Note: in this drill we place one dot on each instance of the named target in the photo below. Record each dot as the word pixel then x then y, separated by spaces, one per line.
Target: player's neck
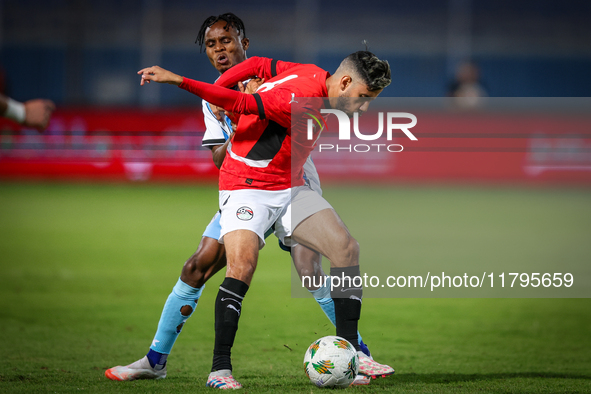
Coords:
pixel 332 86
pixel 332 90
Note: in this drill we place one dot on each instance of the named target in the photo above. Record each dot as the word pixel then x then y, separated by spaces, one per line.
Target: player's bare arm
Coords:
pixel 38 112
pixel 218 152
pixel 251 86
pixel 160 75
pixel 32 113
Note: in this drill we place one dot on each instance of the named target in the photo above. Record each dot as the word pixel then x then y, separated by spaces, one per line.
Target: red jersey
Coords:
pixel 260 153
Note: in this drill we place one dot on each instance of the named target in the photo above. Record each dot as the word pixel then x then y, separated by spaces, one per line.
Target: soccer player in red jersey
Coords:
pixel 258 189
pixel 225 42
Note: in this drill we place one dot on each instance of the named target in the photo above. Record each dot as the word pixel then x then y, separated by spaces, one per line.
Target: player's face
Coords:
pixel 224 48
pixel 354 97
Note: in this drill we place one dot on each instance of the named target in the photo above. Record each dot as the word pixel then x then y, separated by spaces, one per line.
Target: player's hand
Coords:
pixel 38 112
pixel 218 112
pixel 251 86
pixel 160 75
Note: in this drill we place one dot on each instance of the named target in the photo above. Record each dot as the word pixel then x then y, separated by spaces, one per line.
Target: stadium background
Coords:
pixel 84 57
pixel 73 241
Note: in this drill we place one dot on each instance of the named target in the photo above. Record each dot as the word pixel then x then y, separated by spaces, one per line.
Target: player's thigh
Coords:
pixel 209 257
pixel 325 232
pixel 304 203
pixel 242 252
pixel 210 252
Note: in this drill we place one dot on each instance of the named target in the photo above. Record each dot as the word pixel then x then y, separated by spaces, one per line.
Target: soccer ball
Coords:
pixel 331 362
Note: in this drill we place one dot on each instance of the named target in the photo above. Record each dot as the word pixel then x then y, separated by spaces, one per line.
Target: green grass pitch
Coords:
pixel 85 270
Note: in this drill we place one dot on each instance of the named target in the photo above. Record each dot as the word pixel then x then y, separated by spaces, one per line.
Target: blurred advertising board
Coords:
pixel 498 140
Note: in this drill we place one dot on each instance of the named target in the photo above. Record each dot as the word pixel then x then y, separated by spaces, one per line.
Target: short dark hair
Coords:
pixel 374 72
pixel 231 21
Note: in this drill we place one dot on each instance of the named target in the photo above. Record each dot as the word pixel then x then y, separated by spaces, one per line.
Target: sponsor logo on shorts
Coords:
pixel 244 213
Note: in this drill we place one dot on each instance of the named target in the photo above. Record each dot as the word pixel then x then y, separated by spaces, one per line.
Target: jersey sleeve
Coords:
pixel 216 132
pixel 255 66
pixel 228 99
pixel 281 66
pixel 275 105
pixel 250 68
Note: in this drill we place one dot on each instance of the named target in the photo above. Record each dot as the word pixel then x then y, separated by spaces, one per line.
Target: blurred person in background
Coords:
pixel 467 85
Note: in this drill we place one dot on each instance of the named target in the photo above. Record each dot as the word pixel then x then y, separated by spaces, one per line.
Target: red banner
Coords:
pixel 113 144
pixel 460 146
pixel 159 144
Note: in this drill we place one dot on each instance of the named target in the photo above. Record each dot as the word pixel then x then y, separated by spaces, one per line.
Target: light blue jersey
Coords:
pixel 216 132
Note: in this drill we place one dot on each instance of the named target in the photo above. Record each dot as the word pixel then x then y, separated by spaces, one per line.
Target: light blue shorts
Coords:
pixel 214 229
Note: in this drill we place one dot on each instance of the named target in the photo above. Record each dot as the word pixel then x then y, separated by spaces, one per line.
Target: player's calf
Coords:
pixel 346 292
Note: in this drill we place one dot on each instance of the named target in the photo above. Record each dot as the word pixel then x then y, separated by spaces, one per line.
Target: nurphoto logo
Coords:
pixel 345 131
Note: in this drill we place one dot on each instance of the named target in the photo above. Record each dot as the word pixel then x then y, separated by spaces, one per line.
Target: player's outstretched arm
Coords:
pixel 229 99
pixel 32 113
pixel 38 112
pixel 160 75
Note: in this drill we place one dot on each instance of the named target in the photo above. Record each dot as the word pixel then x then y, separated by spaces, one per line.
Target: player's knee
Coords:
pixel 194 271
pixel 351 252
pixel 247 272
pixel 307 271
pixel 241 271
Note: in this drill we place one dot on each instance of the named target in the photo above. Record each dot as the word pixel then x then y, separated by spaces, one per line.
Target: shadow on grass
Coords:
pixel 456 377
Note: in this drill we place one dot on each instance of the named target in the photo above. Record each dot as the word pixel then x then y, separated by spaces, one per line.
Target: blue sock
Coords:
pixel 157 360
pixel 322 297
pixel 363 347
pixel 178 308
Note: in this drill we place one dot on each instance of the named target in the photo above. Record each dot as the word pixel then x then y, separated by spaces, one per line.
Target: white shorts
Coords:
pixel 305 202
pixel 254 210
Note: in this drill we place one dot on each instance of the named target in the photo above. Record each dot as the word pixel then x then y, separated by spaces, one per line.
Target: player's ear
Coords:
pixel 245 43
pixel 345 82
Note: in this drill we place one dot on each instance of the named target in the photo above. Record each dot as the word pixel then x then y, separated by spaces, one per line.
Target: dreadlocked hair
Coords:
pixel 231 21
pixel 374 72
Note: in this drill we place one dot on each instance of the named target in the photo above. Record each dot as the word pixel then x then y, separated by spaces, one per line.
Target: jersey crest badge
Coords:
pixel 244 213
